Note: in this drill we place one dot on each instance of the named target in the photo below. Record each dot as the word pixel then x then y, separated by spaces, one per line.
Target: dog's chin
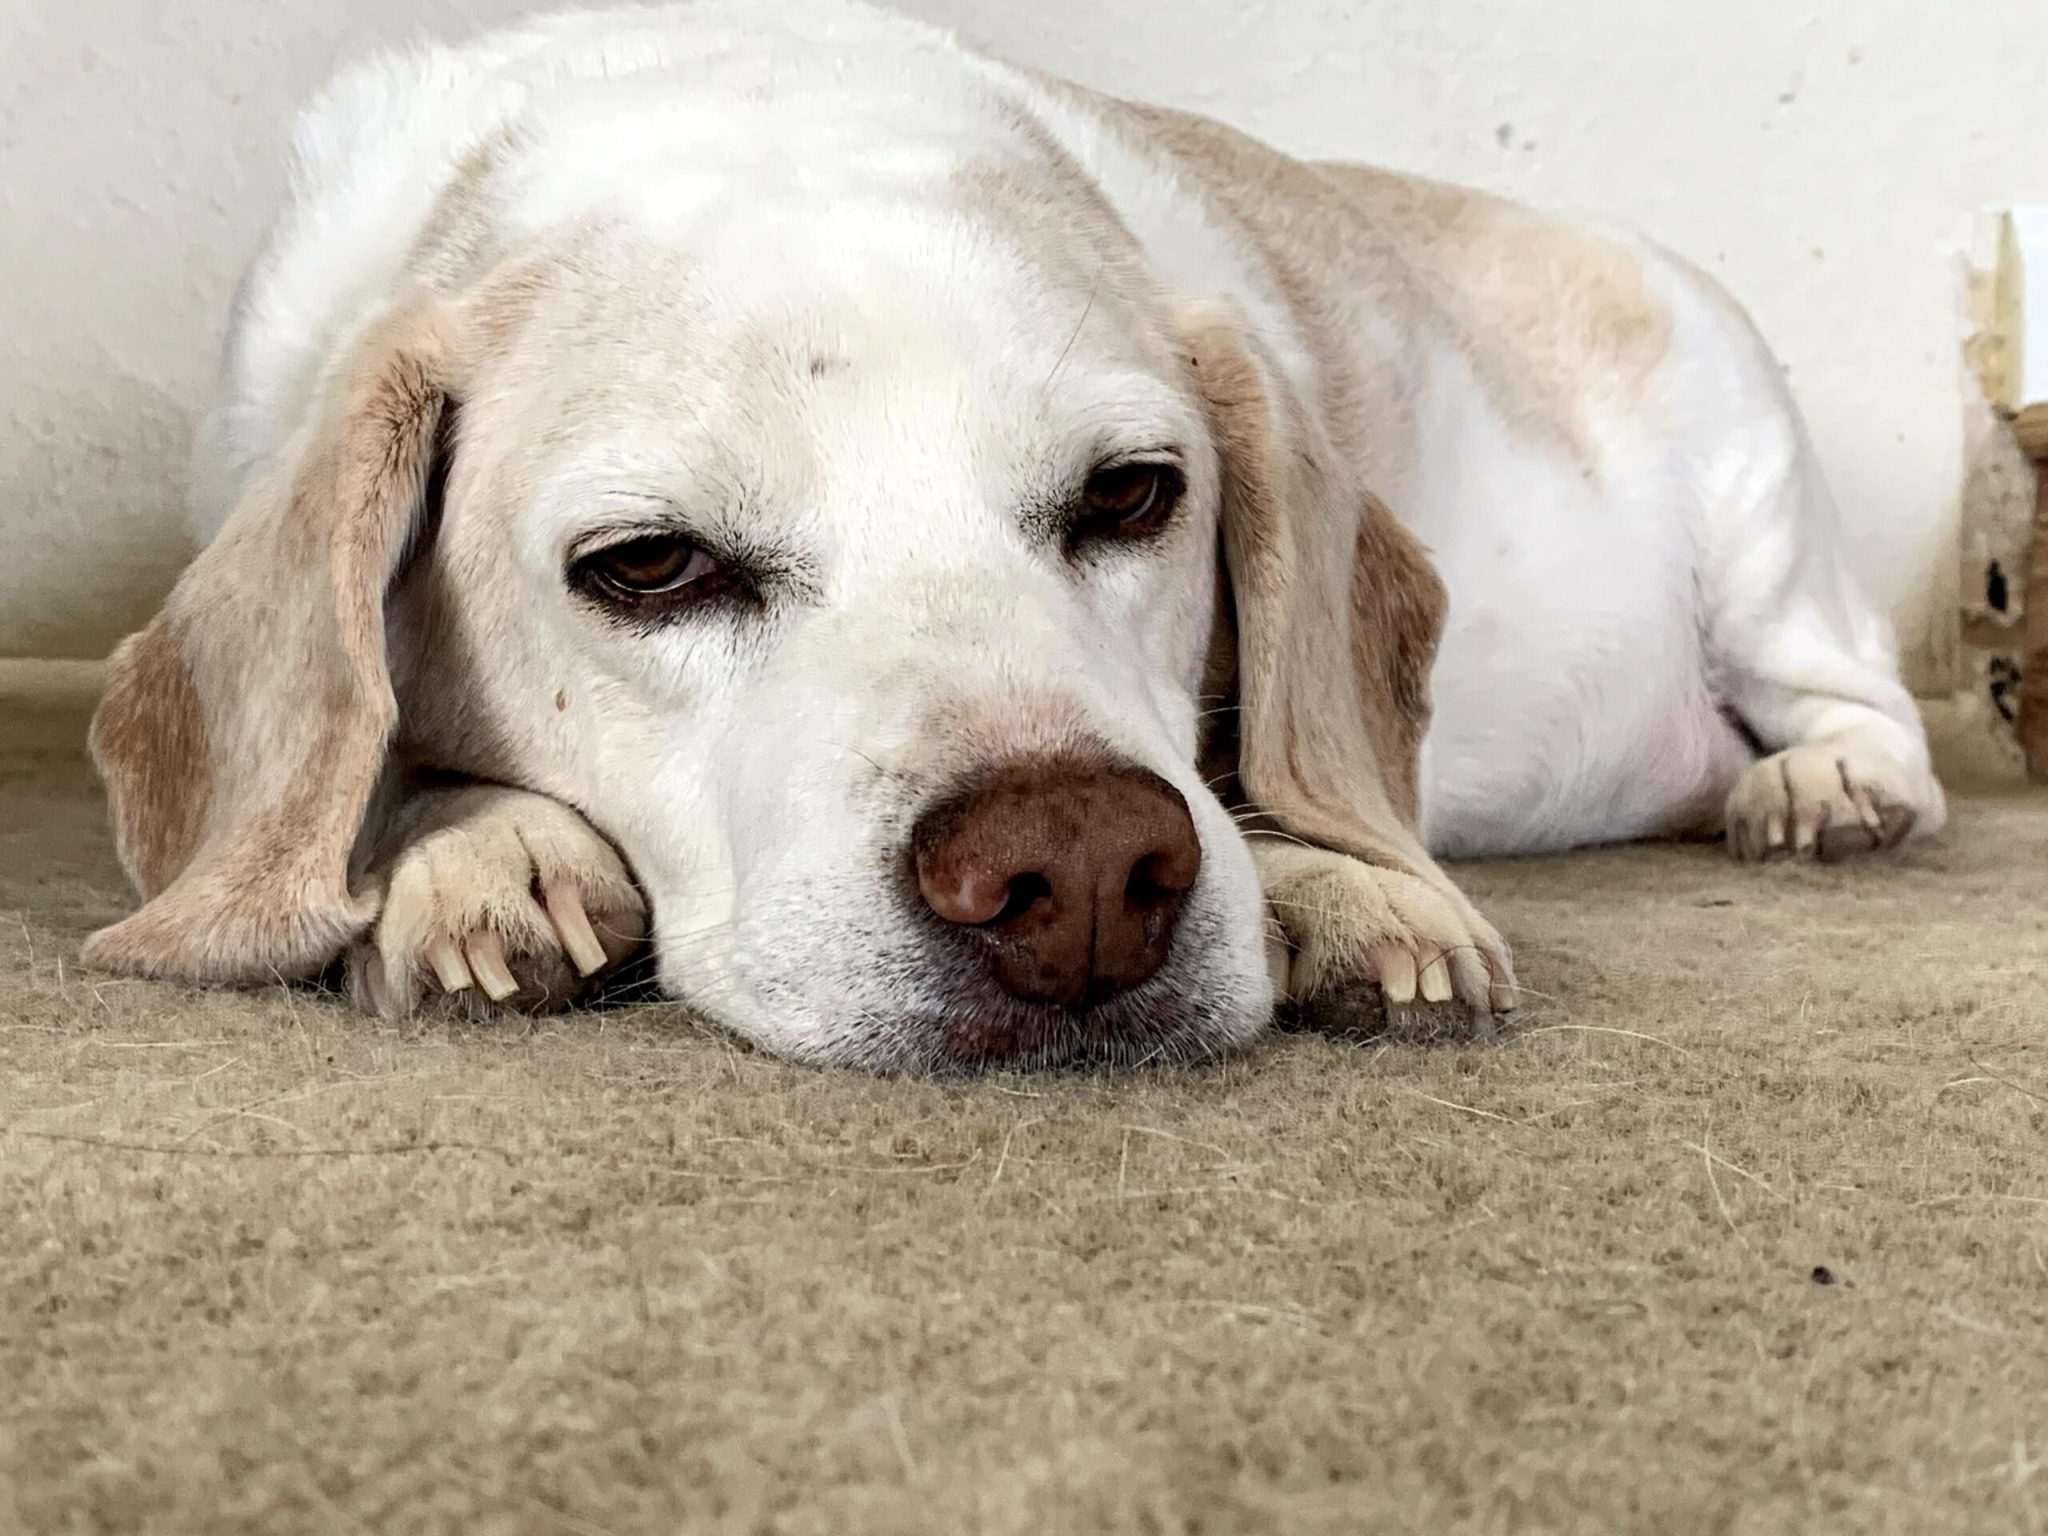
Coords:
pixel 925 1004
pixel 1162 1025
pixel 972 1027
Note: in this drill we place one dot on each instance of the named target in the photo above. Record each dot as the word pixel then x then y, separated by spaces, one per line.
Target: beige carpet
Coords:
pixel 1745 1230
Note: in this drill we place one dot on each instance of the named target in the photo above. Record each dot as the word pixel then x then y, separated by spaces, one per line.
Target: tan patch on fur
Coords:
pixel 1398 606
pixel 149 739
pixel 278 629
pixel 1055 216
pixel 1549 316
pixel 1551 319
pixel 1338 616
pixel 1054 213
pixel 1283 218
pixel 461 235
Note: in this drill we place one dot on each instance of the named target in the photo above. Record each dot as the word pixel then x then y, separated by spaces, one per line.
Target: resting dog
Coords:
pixel 974 546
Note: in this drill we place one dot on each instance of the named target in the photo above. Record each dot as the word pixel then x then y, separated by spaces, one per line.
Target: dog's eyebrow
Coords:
pixel 1160 453
pixel 662 516
pixel 622 494
pixel 665 512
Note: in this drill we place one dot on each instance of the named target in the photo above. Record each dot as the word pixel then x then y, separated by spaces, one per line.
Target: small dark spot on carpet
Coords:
pixel 1996 591
pixel 561 699
pixel 1822 1275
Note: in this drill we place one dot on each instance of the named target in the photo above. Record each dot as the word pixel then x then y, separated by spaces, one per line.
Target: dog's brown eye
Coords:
pixel 657 565
pixel 1128 500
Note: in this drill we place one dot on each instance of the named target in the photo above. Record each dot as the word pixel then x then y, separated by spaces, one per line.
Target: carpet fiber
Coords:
pixel 1744 1228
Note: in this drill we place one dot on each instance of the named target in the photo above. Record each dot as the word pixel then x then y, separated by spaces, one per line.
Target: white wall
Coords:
pixel 1824 157
pixel 140 155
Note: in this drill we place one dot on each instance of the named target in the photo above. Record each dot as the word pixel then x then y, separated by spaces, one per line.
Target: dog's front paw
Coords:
pixel 1370 948
pixel 1822 800
pixel 499 899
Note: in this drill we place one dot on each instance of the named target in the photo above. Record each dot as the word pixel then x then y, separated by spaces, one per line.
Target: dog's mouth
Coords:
pixel 1127 1033
pixel 955 1026
pixel 1182 1016
pixel 897 990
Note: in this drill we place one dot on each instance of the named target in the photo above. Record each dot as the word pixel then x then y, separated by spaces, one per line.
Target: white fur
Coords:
pixel 1700 574
pixel 1602 627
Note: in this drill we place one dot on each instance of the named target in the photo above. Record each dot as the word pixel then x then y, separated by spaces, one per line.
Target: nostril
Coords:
pixel 1026 892
pixel 1163 876
pixel 1147 887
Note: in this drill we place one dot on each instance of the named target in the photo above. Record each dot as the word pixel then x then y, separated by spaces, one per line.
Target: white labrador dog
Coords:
pixel 933 521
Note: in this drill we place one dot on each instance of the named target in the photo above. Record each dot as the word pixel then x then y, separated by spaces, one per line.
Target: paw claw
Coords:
pixel 564 905
pixel 449 967
pixel 382 1003
pixel 1867 813
pixel 487 963
pixel 1471 978
pixel 1397 974
pixel 1807 832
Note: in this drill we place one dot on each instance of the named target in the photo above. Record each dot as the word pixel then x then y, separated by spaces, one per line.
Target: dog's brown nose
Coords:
pixel 1071 873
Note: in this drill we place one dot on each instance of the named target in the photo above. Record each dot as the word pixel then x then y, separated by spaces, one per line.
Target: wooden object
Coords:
pixel 2033 703
pixel 2015 375
pixel 2030 426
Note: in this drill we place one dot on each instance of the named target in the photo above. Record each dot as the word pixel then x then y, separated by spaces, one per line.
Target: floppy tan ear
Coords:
pixel 242 733
pixel 1338 615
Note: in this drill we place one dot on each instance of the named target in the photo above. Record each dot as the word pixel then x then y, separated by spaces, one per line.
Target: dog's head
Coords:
pixel 869 555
